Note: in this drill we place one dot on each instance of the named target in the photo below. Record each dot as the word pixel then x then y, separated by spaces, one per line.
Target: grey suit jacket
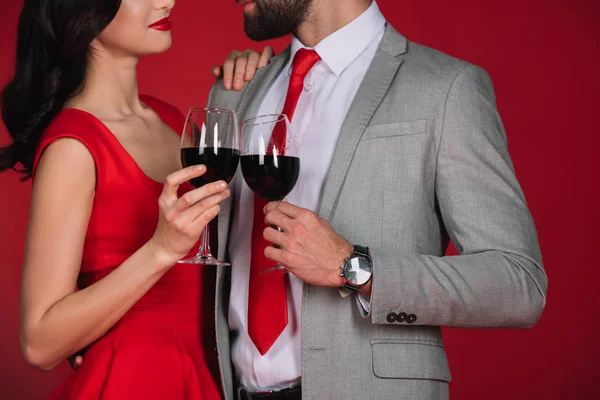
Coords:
pixel 421 159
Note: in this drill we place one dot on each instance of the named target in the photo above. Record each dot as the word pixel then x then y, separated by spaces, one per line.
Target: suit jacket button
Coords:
pixel 411 318
pixel 392 317
pixel 402 317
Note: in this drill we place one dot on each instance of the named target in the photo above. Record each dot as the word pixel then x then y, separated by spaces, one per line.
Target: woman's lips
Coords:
pixel 161 25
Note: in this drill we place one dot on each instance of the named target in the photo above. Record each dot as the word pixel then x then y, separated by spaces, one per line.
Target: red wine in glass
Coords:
pixel 221 163
pixel 270 178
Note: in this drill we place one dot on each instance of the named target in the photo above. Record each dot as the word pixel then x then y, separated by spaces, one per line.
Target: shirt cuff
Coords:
pixel 365 302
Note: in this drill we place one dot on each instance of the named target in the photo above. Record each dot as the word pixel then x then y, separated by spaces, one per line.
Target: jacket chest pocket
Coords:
pixel 405 128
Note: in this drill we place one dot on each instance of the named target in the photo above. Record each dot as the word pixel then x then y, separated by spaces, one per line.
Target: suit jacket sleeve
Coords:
pixel 498 279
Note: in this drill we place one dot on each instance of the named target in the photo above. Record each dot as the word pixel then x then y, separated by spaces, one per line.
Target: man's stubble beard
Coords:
pixel 275 18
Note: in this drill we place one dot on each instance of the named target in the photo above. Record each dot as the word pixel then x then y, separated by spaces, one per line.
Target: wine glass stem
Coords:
pixel 204 250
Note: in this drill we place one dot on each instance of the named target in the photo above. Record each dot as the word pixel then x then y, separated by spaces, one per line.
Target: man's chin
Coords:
pixel 255 33
pixel 259 30
pixel 257 37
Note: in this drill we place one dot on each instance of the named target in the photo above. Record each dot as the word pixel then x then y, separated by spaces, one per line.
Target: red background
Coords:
pixel 543 57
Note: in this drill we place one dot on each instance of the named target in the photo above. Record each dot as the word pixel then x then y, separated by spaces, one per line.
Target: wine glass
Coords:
pixel 269 159
pixel 210 137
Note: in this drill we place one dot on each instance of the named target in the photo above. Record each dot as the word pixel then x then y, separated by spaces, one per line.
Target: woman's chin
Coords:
pixel 159 48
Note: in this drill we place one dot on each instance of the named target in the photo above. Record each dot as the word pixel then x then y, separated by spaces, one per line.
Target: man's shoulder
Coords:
pixel 220 97
pixel 429 55
pixel 435 64
pixel 426 61
pixel 443 70
pixel 426 76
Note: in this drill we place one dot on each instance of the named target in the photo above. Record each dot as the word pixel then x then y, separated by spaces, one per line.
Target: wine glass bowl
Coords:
pixel 210 137
pixel 269 159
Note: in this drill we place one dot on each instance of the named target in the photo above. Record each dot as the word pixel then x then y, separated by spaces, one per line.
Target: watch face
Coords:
pixel 358 270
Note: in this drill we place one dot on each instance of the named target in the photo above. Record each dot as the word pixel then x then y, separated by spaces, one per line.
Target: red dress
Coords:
pixel 164 347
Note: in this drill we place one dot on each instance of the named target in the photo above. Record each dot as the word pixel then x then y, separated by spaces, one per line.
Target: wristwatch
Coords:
pixel 357 270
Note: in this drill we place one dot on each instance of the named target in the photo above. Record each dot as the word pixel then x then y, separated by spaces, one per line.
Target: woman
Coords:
pixel 111 210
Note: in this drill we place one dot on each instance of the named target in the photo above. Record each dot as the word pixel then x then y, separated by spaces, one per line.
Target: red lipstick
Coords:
pixel 161 25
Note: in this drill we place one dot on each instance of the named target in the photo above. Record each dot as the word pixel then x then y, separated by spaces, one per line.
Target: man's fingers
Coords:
pixel 274 236
pixel 281 256
pixel 276 218
pixel 286 208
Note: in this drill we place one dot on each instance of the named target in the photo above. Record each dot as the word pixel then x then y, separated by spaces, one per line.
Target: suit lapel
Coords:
pixel 372 90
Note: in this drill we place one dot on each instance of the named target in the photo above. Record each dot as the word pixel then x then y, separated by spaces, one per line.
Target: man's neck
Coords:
pixel 327 16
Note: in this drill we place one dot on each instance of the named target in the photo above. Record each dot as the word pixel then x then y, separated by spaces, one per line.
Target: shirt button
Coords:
pixel 308 87
pixel 411 318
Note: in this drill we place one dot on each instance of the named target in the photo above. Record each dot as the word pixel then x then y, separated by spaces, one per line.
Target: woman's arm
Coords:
pixel 56 321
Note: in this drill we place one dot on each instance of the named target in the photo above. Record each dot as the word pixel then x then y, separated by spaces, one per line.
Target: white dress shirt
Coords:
pixel 329 89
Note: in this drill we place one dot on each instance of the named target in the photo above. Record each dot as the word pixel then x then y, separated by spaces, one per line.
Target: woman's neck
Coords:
pixel 110 90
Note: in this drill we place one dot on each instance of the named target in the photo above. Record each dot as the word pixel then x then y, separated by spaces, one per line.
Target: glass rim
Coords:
pixel 212 109
pixel 275 119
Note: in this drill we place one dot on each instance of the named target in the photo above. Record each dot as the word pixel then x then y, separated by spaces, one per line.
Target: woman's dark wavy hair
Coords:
pixel 53 42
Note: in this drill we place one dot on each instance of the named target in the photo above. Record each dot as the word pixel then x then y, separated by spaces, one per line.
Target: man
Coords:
pixel 402 150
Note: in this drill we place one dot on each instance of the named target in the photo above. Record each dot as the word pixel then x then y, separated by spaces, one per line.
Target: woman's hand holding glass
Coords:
pixel 182 219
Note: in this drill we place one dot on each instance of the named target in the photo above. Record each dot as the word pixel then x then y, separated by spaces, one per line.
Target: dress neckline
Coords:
pixel 120 146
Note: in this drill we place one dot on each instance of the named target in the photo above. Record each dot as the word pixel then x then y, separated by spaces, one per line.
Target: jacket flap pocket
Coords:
pixel 396 129
pixel 401 360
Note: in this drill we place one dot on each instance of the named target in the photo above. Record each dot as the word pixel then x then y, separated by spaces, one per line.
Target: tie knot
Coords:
pixel 304 60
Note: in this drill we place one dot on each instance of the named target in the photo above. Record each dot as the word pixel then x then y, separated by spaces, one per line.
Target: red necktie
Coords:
pixel 267 299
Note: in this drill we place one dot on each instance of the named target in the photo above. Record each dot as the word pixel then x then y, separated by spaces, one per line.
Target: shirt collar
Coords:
pixel 343 46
